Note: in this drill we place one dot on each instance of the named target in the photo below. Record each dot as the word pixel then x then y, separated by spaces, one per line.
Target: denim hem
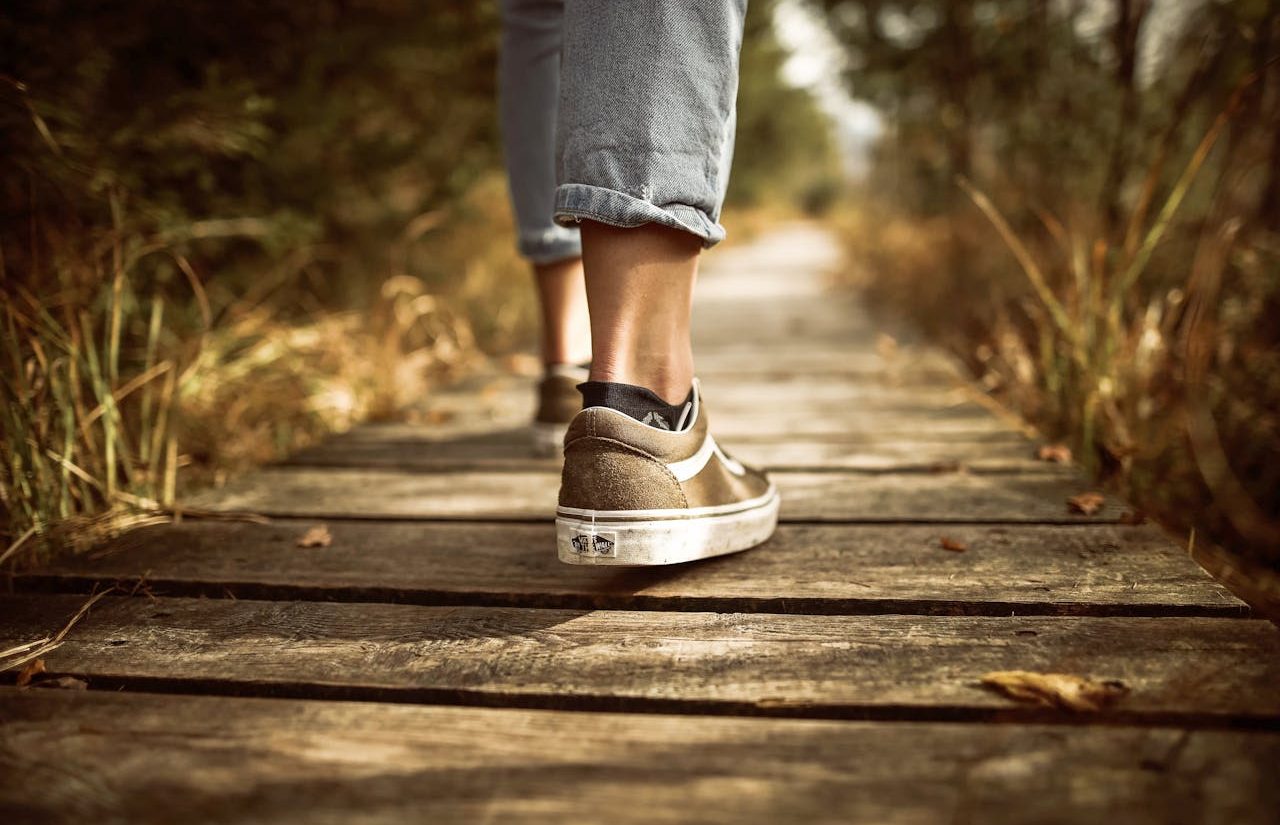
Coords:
pixel 576 201
pixel 547 246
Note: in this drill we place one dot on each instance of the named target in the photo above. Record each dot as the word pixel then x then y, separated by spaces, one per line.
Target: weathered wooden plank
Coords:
pixel 496 392
pixel 1208 671
pixel 751 321
pixel 857 395
pixel 802 356
pixel 510 449
pixel 523 495
pixel 1105 570
pixel 75 758
pixel 508 438
pixel 928 416
pixel 929 426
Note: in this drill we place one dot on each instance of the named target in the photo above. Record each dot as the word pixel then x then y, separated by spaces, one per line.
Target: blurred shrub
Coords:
pixel 784 154
pixel 229 228
pixel 1113 269
pixel 265 130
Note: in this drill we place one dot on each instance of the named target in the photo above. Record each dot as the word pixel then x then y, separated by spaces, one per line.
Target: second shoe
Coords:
pixel 558 402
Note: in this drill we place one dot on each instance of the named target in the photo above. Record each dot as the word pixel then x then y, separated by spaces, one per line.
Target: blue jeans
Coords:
pixel 617 111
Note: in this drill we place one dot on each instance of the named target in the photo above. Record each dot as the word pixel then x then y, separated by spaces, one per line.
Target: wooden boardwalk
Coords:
pixel 435 662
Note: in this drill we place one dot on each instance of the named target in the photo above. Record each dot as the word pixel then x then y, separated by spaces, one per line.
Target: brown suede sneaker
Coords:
pixel 558 402
pixel 632 494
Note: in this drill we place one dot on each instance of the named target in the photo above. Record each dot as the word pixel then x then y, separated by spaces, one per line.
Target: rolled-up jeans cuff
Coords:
pixel 546 246
pixel 578 201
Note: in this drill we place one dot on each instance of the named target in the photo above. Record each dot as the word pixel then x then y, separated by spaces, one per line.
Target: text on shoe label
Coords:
pixel 603 545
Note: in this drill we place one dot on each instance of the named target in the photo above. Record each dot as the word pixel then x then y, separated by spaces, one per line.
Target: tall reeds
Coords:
pixel 1151 350
pixel 111 406
pixel 80 457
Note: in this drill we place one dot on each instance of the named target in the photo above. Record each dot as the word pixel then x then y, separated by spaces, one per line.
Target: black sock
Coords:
pixel 639 403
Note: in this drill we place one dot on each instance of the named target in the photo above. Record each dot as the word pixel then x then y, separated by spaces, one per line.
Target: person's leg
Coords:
pixel 645 136
pixel 644 144
pixel 529 86
pixel 641 295
pixel 566 324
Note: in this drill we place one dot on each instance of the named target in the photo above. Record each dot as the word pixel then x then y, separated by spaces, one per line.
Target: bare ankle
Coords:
pixel 566 324
pixel 640 288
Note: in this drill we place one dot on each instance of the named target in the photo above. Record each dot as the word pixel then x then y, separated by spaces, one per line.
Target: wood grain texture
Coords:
pixel 1101 570
pixel 506 450
pixel 76 758
pixel 340 492
pixel 440 589
pixel 1210 671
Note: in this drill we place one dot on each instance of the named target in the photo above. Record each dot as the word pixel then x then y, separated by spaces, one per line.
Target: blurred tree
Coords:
pixel 321 125
pixel 784 152
pixel 315 130
pixel 1086 122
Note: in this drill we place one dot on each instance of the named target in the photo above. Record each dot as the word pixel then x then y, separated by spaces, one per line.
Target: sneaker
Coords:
pixel 558 402
pixel 634 494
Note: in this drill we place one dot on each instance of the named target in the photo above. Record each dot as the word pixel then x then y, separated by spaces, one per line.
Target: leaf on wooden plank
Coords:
pixel 30 672
pixel 523 363
pixel 954 545
pixel 63 683
pixel 1086 504
pixel 318 536
pixel 1133 517
pixel 886 346
pixel 1056 690
pixel 1056 453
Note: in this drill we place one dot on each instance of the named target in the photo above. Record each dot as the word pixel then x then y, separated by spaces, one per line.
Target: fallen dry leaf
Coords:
pixel 523 363
pixel 30 672
pixel 1133 517
pixel 951 544
pixel 1056 453
pixel 439 416
pixel 317 536
pixel 886 346
pixel 1056 690
pixel 63 682
pixel 1086 503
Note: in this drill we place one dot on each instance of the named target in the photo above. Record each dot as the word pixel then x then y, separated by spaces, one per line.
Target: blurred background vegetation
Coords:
pixel 233 227
pixel 1081 198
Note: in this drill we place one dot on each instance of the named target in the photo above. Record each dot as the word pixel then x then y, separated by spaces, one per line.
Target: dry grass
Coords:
pixel 1150 356
pixel 21 654
pixel 111 412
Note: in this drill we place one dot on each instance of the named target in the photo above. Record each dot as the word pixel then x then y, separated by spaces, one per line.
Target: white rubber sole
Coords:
pixel 607 538
pixel 547 439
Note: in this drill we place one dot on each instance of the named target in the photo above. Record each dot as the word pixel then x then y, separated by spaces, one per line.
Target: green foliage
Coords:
pixel 323 123
pixel 784 154
pixel 1134 174
pixel 194 195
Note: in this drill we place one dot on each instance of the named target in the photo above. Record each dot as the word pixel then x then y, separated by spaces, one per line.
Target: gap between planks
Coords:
pixel 819 569
pixel 640 705
pixel 144 586
pixel 159 758
pixel 1201 673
